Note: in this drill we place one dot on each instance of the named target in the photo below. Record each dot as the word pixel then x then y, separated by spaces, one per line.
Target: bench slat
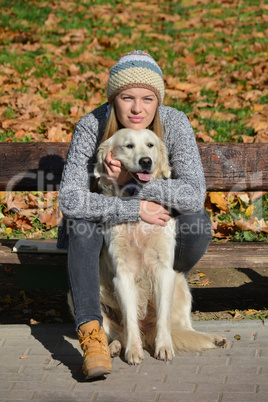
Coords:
pixel 38 166
pixel 235 167
pixel 219 255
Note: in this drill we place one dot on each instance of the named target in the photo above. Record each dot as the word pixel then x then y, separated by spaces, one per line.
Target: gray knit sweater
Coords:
pixel 184 191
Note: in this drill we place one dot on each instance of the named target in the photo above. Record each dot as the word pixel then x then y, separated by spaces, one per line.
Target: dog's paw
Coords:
pixel 134 355
pixel 219 340
pixel 115 348
pixel 210 341
pixel 164 353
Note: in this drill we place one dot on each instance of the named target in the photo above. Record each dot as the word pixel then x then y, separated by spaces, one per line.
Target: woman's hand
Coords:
pixel 150 212
pixel 115 172
pixel 153 213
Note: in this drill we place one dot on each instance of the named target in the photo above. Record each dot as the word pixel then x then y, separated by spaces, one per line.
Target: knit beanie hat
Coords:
pixel 136 70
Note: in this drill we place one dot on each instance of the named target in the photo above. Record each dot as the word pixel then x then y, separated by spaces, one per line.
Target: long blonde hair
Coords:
pixel 112 124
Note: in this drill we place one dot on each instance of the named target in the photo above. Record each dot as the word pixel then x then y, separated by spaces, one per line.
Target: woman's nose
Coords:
pixel 136 107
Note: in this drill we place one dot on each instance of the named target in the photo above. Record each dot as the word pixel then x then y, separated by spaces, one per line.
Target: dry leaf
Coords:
pixel 73 70
pixel 249 211
pixel 244 197
pixel 203 136
pixel 34 322
pixel 251 311
pixel 8 222
pixel 51 217
pixel 219 200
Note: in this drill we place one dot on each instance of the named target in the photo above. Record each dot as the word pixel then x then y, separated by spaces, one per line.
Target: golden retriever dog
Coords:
pixel 145 303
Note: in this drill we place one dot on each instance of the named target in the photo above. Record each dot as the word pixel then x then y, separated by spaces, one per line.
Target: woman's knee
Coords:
pixel 192 239
pixel 84 233
pixel 194 229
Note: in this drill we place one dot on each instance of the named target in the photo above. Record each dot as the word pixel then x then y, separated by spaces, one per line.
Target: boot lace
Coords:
pixel 93 344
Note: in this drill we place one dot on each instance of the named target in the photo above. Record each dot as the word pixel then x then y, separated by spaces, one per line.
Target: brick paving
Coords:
pixel 43 363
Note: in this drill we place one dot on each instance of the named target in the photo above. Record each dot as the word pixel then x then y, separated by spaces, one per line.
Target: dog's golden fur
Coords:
pixel 145 303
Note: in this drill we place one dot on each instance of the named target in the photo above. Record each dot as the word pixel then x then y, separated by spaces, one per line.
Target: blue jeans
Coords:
pixel 85 244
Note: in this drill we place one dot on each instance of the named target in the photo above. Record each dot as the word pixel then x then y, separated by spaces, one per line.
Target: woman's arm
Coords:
pixel 76 200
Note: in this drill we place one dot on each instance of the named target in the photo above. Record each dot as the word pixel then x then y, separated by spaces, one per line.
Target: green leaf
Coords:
pixel 248 236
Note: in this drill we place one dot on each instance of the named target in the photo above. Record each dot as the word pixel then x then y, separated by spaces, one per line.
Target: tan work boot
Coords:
pixel 93 342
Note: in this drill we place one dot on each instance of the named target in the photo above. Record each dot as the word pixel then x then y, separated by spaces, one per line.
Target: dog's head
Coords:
pixel 141 152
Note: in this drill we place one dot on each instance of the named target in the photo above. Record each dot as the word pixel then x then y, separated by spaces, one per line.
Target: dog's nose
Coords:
pixel 145 163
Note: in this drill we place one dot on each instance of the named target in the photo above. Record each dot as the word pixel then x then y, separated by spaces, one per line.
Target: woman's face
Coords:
pixel 135 107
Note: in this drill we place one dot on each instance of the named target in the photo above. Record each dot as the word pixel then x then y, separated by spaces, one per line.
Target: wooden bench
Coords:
pixel 228 167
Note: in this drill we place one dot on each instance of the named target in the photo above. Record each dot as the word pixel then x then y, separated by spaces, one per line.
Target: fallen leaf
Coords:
pixel 23 223
pixel 15 202
pixel 237 315
pixel 73 70
pixel 34 322
pixel 244 197
pixel 51 217
pixel 254 195
pixel 246 138
pixel 9 223
pixel 219 200
pixel 249 211
pixel 203 136
pixel 52 20
pixel 251 311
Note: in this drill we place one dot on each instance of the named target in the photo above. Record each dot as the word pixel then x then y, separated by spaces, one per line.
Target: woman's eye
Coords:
pixel 150 145
pixel 130 146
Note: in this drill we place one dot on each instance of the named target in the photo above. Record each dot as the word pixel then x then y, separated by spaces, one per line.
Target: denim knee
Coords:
pixel 193 235
pixel 84 232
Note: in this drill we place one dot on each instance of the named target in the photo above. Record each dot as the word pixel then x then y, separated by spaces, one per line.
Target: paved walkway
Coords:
pixel 43 363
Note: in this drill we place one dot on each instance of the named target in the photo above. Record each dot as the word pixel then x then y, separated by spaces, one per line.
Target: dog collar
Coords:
pixel 132 186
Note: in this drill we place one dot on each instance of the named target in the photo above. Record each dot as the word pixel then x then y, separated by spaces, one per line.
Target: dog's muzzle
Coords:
pixel 145 164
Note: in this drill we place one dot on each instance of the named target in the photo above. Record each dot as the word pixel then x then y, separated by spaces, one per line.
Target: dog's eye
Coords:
pixel 150 145
pixel 130 146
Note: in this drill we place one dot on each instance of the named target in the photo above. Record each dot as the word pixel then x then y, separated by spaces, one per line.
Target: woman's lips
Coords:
pixel 136 119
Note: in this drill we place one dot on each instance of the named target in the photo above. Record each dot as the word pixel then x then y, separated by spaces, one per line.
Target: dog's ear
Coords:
pixel 162 169
pixel 103 150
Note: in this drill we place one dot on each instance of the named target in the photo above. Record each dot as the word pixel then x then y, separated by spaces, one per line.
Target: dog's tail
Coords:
pixel 189 340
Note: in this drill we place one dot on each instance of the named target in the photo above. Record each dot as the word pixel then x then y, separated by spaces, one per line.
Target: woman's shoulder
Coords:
pixel 97 118
pixel 168 112
pixel 90 128
pixel 174 121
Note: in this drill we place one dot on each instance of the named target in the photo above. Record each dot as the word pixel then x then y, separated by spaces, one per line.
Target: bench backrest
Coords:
pixel 228 167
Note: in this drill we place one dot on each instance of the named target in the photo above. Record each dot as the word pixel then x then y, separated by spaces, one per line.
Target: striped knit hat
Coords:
pixel 136 70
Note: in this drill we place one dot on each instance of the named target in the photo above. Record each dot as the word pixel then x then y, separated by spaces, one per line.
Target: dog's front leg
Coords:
pixel 165 279
pixel 125 289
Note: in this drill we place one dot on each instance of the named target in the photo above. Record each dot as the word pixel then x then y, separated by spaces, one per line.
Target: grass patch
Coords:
pixel 20 14
pixel 60 108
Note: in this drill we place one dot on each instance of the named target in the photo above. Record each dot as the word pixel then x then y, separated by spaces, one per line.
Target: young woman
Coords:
pixel 135 95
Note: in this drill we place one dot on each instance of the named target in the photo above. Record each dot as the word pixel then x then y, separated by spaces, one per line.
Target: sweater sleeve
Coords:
pixel 75 198
pixel 186 190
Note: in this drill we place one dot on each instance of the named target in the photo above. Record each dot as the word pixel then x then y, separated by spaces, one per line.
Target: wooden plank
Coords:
pixel 32 166
pixel 219 255
pixel 7 257
pixel 228 167
pixel 235 255
pixel 235 167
